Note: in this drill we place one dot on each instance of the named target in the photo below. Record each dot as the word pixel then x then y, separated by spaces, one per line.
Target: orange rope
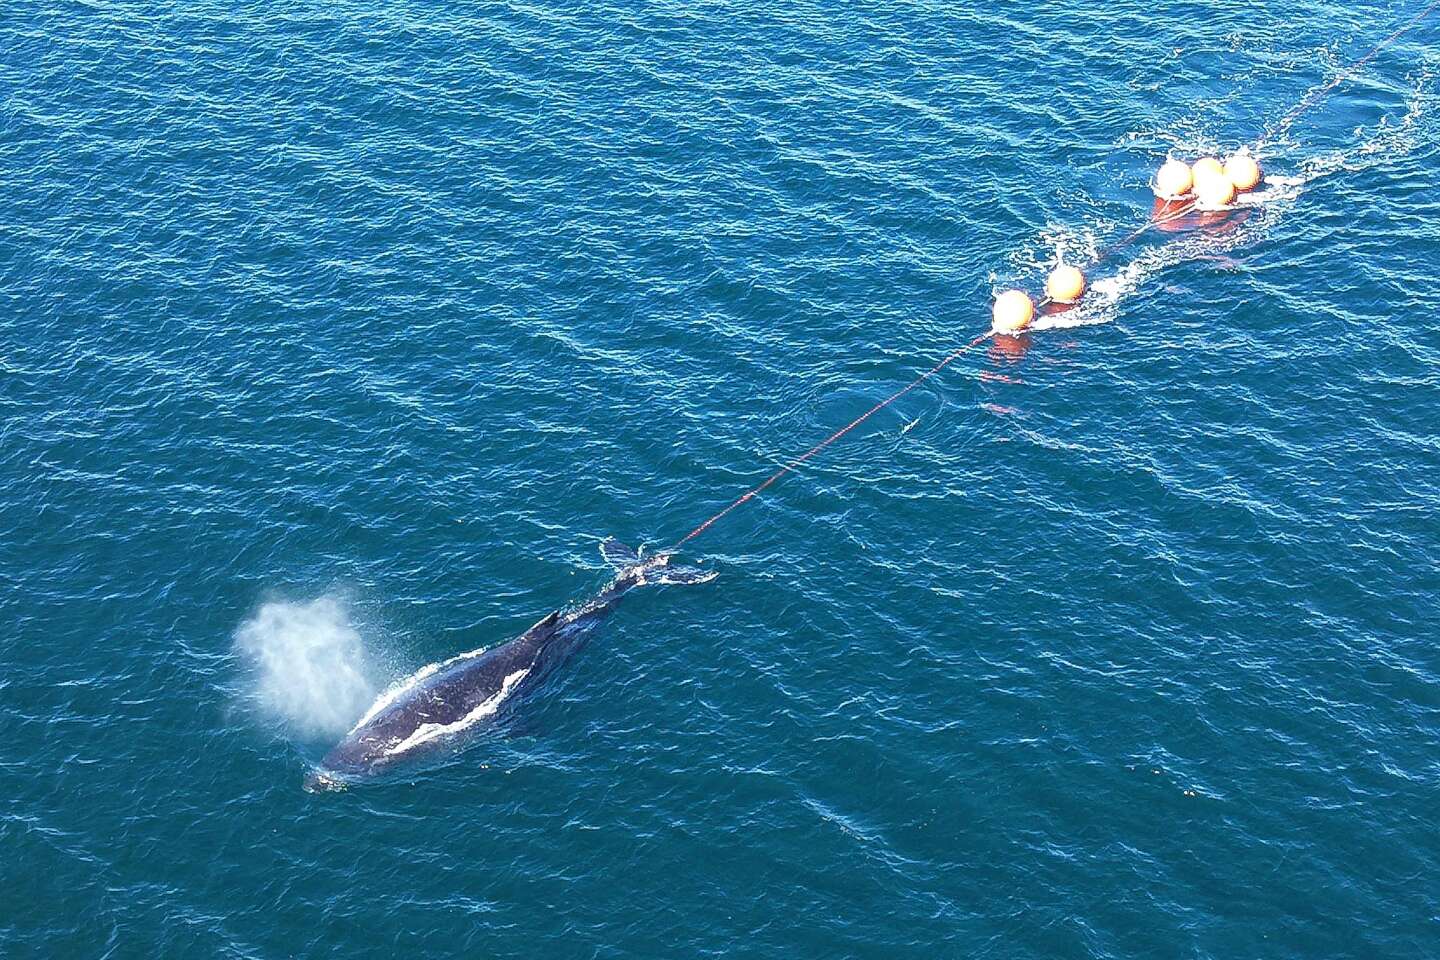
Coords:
pixel 789 467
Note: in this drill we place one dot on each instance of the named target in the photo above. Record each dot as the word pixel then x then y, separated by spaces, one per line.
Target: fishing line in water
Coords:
pixel 790 467
pixel 1204 188
pixel 1317 94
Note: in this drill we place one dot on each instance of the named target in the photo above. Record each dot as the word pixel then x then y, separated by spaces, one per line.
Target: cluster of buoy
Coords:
pixel 1207 184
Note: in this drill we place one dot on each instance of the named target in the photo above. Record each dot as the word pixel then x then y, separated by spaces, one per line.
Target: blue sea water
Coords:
pixel 335 337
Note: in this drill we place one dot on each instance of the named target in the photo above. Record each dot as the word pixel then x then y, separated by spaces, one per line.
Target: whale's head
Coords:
pixel 353 758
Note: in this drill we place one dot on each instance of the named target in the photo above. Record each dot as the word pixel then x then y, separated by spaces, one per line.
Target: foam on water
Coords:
pixel 1109 293
pixel 311 668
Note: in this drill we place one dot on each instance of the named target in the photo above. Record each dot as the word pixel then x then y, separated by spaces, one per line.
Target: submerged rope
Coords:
pixel 1314 96
pixel 1181 211
pixel 1282 125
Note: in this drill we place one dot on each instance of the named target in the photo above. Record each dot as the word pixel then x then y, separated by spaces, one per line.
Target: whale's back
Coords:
pixel 460 695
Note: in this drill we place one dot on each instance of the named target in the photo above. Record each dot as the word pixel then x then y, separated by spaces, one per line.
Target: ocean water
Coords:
pixel 334 337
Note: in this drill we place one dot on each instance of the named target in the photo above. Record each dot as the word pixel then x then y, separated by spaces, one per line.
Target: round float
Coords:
pixel 1172 180
pixel 1065 284
pixel 1214 193
pixel 1013 312
pixel 1206 167
pixel 1243 171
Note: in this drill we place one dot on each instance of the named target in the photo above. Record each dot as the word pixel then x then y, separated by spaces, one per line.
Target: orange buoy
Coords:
pixel 1013 312
pixel 1214 193
pixel 1172 180
pixel 1206 167
pixel 1242 170
pixel 1065 284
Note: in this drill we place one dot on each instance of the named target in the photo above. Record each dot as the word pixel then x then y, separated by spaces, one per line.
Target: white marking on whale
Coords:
pixel 398 689
pixel 430 731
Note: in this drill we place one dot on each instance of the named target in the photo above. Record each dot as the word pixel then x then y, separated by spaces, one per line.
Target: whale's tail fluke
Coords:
pixel 656 569
pixel 618 555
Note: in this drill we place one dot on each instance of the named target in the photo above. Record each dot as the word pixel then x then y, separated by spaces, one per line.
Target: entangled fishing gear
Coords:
pixel 1206 186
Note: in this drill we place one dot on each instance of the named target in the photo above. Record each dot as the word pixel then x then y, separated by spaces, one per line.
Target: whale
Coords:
pixel 442 702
